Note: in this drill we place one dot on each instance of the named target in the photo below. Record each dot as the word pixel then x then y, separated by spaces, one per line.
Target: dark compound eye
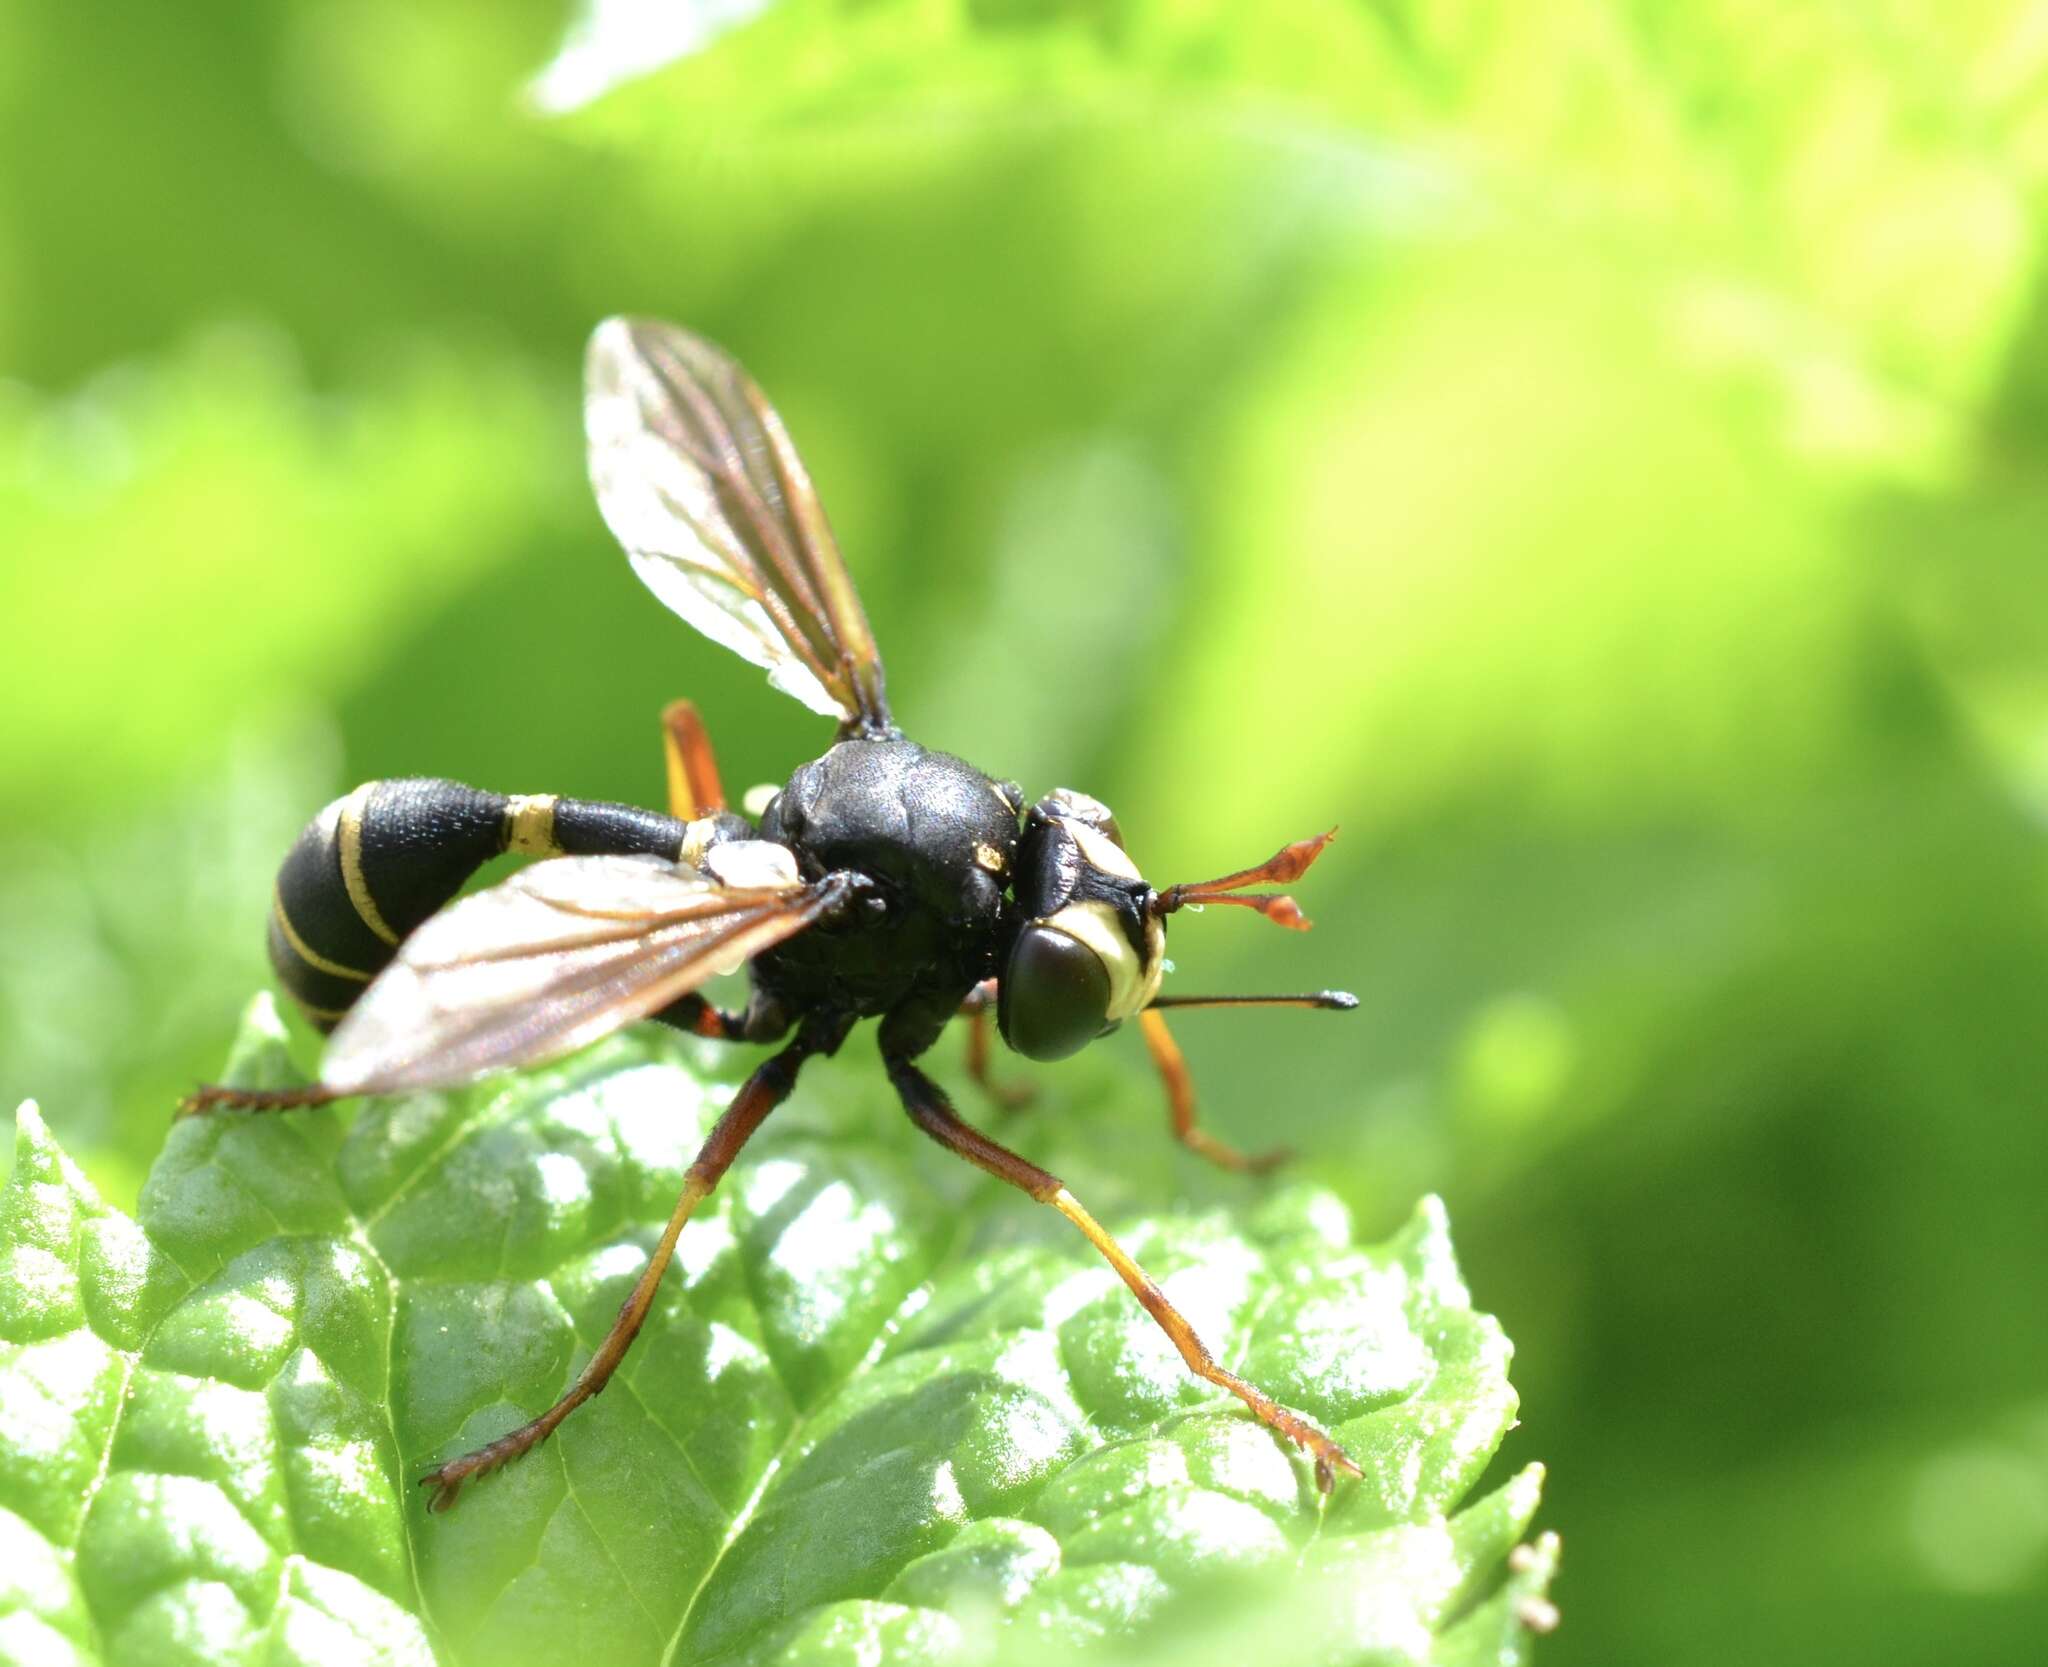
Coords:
pixel 1054 996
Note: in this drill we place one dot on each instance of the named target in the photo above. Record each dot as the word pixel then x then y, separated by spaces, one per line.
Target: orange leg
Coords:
pixel 1180 1099
pixel 693 785
pixel 212 1096
pixel 1005 1096
pixel 767 1088
pixel 931 1111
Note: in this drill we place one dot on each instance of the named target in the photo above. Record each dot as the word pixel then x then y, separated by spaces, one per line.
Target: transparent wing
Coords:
pixel 555 957
pixel 697 478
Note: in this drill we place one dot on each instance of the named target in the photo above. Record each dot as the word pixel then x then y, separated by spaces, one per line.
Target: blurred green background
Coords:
pixel 1594 453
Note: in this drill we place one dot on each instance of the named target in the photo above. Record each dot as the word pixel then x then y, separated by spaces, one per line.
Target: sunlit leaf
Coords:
pixel 873 1410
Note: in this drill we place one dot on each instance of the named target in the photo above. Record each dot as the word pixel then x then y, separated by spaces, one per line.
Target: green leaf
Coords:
pixel 196 1464
pixel 1903 234
pixel 883 1408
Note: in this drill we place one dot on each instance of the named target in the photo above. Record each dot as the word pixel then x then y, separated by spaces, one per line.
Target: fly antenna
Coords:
pixel 1285 865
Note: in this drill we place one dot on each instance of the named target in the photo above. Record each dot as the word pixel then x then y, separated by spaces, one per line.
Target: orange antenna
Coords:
pixel 1288 863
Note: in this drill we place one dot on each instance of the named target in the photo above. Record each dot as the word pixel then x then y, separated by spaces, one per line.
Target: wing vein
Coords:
pixel 698 478
pixel 551 959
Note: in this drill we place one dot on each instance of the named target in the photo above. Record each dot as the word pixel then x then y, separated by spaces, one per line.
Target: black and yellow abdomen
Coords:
pixel 375 864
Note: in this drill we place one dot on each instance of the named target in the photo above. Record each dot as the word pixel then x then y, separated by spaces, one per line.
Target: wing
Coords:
pixel 560 954
pixel 697 478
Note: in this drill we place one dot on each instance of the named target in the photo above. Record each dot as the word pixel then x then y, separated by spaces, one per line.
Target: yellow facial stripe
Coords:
pixel 1132 982
pixel 349 832
pixel 306 952
pixel 530 825
pixel 1102 852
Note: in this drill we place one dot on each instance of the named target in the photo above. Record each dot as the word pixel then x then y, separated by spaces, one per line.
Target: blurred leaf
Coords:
pixel 128 944
pixel 1870 168
pixel 168 509
pixel 865 1418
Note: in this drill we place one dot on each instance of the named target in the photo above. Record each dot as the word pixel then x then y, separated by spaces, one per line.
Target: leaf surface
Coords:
pixel 883 1409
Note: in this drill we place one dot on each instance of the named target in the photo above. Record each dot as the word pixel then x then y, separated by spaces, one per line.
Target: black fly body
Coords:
pixel 884 881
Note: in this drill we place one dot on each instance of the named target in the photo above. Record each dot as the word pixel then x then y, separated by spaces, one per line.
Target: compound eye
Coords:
pixel 1054 996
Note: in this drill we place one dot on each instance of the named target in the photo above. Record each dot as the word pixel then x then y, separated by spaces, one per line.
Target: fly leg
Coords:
pixel 931 1111
pixel 761 1022
pixel 693 786
pixel 213 1096
pixel 1005 1096
pixel 1180 1100
pixel 760 1094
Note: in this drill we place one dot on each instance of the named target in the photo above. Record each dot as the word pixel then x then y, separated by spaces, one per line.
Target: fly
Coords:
pixel 882 881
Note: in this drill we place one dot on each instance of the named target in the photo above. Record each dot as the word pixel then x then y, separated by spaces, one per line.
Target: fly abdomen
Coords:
pixel 367 870
pixel 589 827
pixel 375 864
